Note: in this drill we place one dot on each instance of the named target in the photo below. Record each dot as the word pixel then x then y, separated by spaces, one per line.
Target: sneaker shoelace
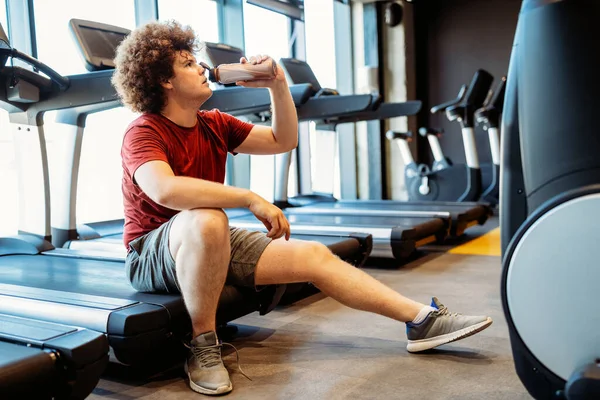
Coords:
pixel 443 310
pixel 210 356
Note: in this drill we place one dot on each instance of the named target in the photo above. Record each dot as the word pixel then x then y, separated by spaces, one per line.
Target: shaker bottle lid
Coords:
pixel 211 71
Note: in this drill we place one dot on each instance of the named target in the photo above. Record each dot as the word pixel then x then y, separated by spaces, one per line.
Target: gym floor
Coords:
pixel 319 349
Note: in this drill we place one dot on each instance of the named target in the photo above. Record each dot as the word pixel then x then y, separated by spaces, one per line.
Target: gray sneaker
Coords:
pixel 442 327
pixel 205 367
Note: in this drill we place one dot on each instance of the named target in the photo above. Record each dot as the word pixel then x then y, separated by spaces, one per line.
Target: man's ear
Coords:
pixel 167 84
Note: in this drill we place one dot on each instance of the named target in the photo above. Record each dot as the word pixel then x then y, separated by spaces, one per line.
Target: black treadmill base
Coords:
pixel 86 379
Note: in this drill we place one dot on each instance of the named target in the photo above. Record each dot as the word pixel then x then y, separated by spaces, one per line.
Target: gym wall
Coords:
pixel 453 38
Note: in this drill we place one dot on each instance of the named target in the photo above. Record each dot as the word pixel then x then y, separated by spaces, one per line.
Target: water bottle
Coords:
pixel 231 73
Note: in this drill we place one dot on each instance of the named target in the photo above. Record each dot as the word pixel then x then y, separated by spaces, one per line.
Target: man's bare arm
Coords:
pixel 157 180
pixel 282 136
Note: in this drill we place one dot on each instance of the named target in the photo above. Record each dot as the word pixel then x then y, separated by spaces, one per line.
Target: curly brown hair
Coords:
pixel 144 60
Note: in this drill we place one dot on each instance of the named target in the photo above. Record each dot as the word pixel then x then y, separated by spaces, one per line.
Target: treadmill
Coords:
pixel 88 288
pixel 395 238
pixel 43 360
pixel 390 239
pixel 463 215
pixel 106 236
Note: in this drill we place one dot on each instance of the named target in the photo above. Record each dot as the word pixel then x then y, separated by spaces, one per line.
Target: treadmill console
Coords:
pixel 219 53
pixel 299 71
pixel 97 42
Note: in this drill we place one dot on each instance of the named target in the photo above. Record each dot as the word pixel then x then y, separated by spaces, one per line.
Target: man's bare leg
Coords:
pixel 299 261
pixel 199 241
pixel 199 244
pixel 427 327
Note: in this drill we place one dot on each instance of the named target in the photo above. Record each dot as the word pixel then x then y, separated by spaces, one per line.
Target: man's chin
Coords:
pixel 206 96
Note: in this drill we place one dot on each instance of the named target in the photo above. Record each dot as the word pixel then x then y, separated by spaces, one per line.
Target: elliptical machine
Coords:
pixel 550 187
pixel 456 182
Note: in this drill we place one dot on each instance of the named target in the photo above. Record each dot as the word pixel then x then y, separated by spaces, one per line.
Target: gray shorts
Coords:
pixel 151 268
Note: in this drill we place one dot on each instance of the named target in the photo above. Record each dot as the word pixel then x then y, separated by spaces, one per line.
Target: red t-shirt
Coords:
pixel 198 152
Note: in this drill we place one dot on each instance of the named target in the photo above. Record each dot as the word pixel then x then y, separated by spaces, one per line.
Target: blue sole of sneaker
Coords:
pixel 415 346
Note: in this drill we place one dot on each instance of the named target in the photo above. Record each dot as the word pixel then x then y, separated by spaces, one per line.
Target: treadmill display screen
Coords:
pixel 223 56
pixel 301 73
pixel 101 43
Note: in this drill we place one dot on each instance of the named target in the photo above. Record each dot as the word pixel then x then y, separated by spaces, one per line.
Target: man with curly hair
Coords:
pixel 177 235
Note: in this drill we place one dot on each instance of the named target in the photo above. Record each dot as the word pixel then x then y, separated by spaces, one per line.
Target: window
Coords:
pixel 8 180
pixel 8 172
pixel 55 46
pixel 265 32
pixel 320 55
pixel 99 196
pixel 320 40
pixel 200 15
pixel 99 184
pixel 3 19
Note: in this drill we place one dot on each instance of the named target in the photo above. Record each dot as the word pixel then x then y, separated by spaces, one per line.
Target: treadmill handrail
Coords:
pixel 315 209
pixel 308 229
pixel 333 106
pixel 384 111
pixel 301 92
pixel 84 90
pixel 61 81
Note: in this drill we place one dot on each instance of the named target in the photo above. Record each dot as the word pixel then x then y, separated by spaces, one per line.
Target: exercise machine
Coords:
pixel 462 216
pixel 88 288
pixel 106 236
pixel 43 360
pixel 488 116
pixel 549 199
pixel 440 161
pixel 394 236
pixel 456 182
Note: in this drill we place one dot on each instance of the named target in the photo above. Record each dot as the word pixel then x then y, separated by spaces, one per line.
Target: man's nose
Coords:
pixel 203 66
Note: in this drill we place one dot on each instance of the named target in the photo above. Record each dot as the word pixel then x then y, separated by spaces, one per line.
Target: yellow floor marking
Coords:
pixel 486 245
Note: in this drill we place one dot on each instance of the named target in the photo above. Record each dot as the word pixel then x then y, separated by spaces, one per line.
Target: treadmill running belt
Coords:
pixel 392 237
pixel 96 294
pixel 463 215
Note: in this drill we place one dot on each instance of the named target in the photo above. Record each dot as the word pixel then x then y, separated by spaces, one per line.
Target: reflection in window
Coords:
pixel 99 196
pixel 9 206
pixel 265 32
pixel 200 15
pixel 55 46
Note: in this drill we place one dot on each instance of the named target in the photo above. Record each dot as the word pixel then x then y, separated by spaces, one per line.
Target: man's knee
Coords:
pixel 200 226
pixel 314 255
pixel 206 224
